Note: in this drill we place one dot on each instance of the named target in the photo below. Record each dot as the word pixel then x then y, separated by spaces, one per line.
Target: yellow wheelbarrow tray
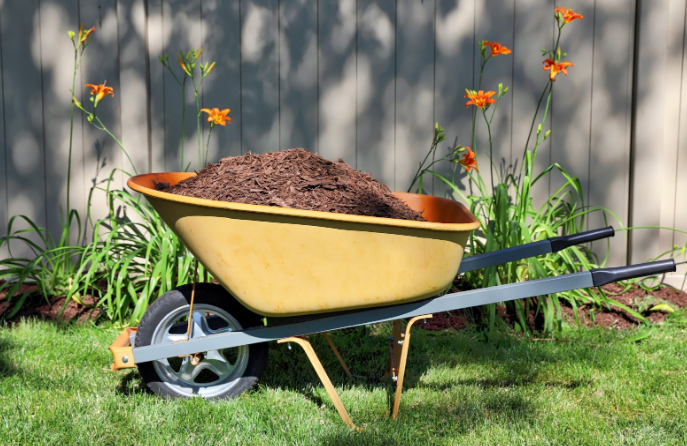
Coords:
pixel 312 272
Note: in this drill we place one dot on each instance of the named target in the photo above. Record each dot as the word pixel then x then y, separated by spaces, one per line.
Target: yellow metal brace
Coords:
pixel 398 357
pixel 338 355
pixel 322 374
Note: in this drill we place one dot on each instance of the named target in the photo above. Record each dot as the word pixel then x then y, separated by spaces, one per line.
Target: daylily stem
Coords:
pixel 103 128
pixel 491 151
pixel 207 146
pixel 183 119
pixel 483 63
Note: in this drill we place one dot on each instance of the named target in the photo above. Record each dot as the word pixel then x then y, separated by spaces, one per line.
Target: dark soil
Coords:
pixel 295 179
pixel 635 298
pixel 37 306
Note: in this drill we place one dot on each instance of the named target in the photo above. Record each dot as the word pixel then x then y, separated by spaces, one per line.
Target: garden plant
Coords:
pixel 505 205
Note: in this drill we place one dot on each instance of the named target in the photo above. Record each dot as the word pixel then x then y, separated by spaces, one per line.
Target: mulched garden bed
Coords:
pixel 37 306
pixel 635 298
pixel 295 179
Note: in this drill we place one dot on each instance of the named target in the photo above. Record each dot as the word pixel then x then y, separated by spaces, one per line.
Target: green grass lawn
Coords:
pixel 590 387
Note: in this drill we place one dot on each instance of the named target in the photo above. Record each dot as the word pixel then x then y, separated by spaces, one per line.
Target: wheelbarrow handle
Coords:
pixel 565 241
pixel 602 276
pixel 547 246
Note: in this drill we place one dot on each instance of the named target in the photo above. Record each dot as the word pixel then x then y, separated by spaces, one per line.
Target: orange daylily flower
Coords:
pixel 550 64
pixel 100 91
pixel 215 116
pixel 496 48
pixel 468 160
pixel 481 99
pixel 568 14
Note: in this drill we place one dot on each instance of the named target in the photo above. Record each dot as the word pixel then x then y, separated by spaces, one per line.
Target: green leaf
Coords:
pixel 662 307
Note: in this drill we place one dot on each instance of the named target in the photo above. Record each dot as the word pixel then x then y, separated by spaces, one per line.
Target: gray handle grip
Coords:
pixel 565 241
pixel 602 276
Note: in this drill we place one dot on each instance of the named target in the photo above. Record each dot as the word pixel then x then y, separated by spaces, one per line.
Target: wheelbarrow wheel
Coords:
pixel 213 374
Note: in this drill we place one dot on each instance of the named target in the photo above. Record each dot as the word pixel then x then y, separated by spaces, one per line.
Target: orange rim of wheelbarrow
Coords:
pixel 440 218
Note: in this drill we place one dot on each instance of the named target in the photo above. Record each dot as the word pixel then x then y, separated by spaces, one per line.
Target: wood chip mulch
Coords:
pixel 295 179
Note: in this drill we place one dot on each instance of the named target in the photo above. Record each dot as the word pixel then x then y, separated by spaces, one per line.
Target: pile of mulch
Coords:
pixel 37 306
pixel 295 179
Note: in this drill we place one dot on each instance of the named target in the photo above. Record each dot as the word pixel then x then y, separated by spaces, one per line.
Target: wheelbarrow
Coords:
pixel 286 273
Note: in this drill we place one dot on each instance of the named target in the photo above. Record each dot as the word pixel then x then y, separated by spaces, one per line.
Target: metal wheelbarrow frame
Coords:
pixel 292 329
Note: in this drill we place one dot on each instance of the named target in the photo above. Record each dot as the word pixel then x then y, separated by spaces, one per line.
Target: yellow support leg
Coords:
pixel 338 355
pixel 398 370
pixel 317 365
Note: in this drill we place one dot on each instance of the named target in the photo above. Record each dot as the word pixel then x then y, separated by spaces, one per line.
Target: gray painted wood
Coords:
pixel 260 75
pixel 100 64
pixel 158 36
pixel 181 22
pixel 648 138
pixel 678 171
pixel 131 23
pixel 376 92
pixel 610 119
pixel 414 90
pixel 534 30
pixel 4 215
pixel 222 87
pixel 23 101
pixel 298 49
pixel 495 23
pixel 455 44
pixel 337 79
pixel 57 59
pixel 570 124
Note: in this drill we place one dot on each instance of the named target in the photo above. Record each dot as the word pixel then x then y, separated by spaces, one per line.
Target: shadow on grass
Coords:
pixel 7 369
pixel 131 383
pixel 512 362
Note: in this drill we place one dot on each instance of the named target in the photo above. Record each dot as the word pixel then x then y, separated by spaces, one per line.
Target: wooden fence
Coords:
pixel 360 80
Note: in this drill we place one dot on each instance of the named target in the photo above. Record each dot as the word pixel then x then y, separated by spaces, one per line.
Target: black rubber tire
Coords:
pixel 211 294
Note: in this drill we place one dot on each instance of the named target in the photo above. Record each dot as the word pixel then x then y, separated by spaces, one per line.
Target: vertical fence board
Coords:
pixel 131 19
pixel 671 122
pixel 680 169
pixel 57 59
pixel 455 46
pixel 570 124
pixel 158 37
pixel 181 19
pixel 4 153
pixel 648 130
pixel 414 90
pixel 494 23
pixel 534 30
pixel 610 120
pixel 260 74
pixel 100 63
pixel 23 112
pixel 376 90
pixel 337 80
pixel 298 49
pixel 222 87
